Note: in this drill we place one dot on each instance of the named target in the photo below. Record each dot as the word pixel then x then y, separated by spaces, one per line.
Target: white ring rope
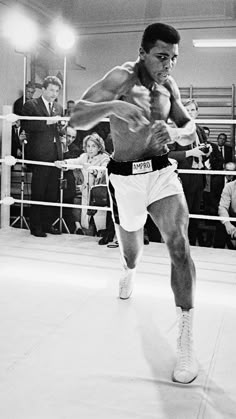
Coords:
pixel 12 117
pixel 207 172
pixel 9 200
pixel 216 121
pixel 11 161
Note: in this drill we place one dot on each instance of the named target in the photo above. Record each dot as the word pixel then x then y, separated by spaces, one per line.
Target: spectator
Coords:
pixel 43 145
pixel 70 150
pixel 70 107
pixel 18 137
pixel 192 156
pixel 226 230
pixel 29 93
pixel 207 132
pixel 94 155
pixel 221 152
pixel 109 232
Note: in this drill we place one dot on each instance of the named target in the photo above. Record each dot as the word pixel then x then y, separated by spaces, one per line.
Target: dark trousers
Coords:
pixel 69 216
pixel 44 187
pixel 222 238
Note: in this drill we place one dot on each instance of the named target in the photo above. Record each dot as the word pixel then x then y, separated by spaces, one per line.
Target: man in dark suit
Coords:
pixel 29 93
pixel 221 153
pixel 43 145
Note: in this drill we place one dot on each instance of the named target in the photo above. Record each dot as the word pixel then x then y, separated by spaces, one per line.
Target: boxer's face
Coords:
pixel 160 60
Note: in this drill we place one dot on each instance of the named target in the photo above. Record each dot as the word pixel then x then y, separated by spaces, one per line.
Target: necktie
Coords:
pixel 221 151
pixel 50 108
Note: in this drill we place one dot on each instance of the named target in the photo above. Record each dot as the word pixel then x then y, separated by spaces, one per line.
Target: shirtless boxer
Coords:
pixel 139 97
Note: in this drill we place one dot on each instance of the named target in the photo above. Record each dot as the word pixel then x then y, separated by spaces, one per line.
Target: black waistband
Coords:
pixel 137 167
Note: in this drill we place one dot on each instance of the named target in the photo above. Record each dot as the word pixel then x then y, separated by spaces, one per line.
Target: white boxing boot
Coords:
pixel 126 283
pixel 186 369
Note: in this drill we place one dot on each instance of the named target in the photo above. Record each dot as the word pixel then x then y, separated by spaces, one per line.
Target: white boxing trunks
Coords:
pixel 131 194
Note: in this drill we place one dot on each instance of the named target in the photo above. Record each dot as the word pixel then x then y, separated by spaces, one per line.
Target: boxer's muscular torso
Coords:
pixel 135 145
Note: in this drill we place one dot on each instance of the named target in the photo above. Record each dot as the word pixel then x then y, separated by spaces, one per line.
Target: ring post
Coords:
pixel 22 187
pixel 6 170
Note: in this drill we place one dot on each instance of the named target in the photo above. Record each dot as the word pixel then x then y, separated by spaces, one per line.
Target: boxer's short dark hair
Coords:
pixel 159 31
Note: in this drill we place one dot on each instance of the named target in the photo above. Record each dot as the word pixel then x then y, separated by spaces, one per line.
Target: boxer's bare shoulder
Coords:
pixel 121 78
pixel 112 85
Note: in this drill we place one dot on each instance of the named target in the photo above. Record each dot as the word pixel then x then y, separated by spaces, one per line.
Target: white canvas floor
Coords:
pixel 70 349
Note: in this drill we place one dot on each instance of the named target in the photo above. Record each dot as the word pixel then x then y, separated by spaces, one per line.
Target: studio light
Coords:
pixel 65 37
pixel 214 43
pixel 20 30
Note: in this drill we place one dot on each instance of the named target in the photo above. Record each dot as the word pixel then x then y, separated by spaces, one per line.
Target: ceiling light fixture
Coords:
pixel 214 43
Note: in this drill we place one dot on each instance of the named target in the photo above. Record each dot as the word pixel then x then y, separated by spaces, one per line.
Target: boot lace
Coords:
pixel 184 342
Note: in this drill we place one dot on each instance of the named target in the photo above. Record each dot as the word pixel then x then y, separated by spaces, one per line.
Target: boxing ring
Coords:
pixel 70 348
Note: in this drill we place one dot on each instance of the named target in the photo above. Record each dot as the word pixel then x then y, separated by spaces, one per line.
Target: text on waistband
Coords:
pixel 142 167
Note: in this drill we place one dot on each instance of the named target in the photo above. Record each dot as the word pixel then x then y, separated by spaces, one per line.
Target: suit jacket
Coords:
pixel 217 160
pixel 40 136
pixel 15 142
pixel 18 106
pixel 178 152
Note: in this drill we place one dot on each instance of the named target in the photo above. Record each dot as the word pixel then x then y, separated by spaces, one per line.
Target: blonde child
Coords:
pixel 94 155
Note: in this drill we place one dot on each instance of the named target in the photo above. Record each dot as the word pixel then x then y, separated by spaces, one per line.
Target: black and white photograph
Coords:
pixel 118 209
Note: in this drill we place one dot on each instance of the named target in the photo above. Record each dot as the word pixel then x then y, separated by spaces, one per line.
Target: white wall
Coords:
pixel 11 74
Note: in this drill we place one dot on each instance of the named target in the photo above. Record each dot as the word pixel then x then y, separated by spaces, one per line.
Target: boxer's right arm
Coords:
pixel 101 100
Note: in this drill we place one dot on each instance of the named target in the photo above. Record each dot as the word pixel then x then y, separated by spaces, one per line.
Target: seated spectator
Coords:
pixel 94 155
pixel 29 93
pixel 69 150
pixel 226 230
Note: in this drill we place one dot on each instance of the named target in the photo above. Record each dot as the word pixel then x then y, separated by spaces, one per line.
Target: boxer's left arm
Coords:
pixel 185 131
pixel 184 135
